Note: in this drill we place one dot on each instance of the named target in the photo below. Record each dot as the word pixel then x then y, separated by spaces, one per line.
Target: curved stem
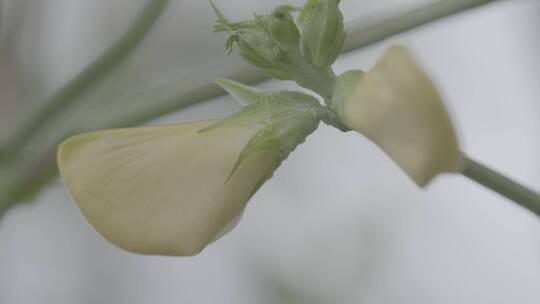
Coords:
pixel 68 94
pixel 503 185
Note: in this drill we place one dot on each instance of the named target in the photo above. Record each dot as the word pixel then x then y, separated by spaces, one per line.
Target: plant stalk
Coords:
pixel 376 27
pixel 503 185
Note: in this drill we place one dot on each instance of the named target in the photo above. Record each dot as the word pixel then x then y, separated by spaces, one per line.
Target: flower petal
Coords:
pixel 398 107
pixel 162 190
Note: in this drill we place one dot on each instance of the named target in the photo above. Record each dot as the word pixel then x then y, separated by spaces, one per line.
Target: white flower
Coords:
pixel 173 189
pixel 397 106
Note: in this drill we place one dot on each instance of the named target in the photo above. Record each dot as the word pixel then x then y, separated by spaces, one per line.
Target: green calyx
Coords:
pixel 285 118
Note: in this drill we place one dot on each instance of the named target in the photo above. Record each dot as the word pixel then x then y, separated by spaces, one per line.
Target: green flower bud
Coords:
pixel 272 43
pixel 263 41
pixel 323 34
pixel 397 106
pixel 283 29
pixel 172 190
pixel 257 47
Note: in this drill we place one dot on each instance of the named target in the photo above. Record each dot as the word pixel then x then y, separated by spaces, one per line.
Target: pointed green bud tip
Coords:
pixel 323 33
pixel 397 106
pixel 241 92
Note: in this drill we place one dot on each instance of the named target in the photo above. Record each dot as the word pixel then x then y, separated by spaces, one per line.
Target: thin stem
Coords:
pixel 319 80
pixel 503 185
pixel 376 27
pixel 67 95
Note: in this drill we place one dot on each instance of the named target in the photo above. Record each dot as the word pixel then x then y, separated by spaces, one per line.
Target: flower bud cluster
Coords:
pixel 286 49
pixel 264 41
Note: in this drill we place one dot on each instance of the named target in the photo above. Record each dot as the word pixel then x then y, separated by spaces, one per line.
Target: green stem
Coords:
pixel 503 185
pixel 376 27
pixel 319 80
pixel 67 95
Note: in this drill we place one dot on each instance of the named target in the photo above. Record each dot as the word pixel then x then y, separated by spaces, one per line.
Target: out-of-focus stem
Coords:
pixel 67 95
pixel 376 27
pixel 503 185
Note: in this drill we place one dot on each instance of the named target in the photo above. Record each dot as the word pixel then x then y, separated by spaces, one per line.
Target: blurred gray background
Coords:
pixel 339 222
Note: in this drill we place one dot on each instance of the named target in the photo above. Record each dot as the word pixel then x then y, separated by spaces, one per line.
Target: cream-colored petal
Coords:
pixel 398 107
pixel 162 190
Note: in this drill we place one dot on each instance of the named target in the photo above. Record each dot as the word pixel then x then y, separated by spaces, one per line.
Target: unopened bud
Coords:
pixel 263 41
pixel 323 34
pixel 283 29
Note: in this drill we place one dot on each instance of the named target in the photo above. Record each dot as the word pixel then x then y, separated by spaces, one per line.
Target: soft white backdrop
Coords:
pixel 338 223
